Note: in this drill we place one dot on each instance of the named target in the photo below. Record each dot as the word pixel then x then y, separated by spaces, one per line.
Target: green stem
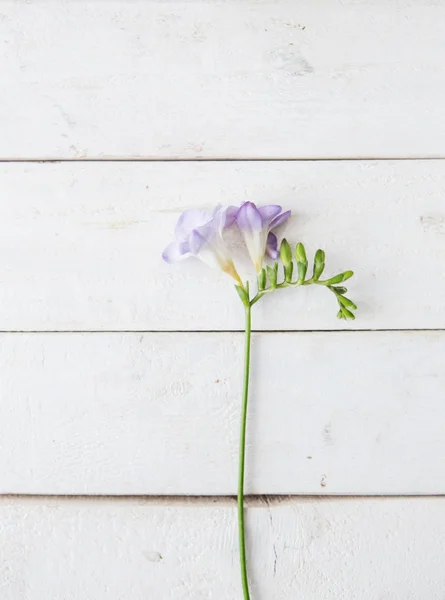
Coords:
pixel 242 454
pixel 285 284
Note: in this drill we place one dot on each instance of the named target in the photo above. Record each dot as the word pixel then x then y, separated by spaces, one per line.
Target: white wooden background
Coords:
pixel 120 376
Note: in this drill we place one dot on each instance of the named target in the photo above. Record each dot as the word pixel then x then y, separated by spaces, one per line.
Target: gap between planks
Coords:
pixel 222 331
pixel 250 501
pixel 167 159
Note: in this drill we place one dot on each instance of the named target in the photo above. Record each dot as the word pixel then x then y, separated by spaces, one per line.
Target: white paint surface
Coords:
pixel 137 550
pixel 81 244
pixel 284 79
pixel 158 413
pixel 330 413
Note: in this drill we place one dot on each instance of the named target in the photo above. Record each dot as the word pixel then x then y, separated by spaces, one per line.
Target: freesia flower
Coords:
pixel 256 225
pixel 199 233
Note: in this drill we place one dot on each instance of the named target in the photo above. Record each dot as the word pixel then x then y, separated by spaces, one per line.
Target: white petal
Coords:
pixel 209 257
pixel 256 246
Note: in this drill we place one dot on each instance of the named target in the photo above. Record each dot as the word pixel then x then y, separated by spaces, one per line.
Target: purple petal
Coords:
pixel 279 220
pixel 249 218
pixel 268 212
pixel 272 246
pixel 176 251
pixel 231 212
pixel 196 241
pixel 189 220
pixel 206 231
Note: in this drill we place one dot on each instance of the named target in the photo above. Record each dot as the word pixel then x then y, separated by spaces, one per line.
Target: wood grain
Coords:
pixel 209 79
pixel 389 549
pixel 81 244
pixel 330 413
pixel 101 393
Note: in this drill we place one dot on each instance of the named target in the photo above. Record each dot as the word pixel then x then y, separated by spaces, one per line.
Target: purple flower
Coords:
pixel 199 233
pixel 256 226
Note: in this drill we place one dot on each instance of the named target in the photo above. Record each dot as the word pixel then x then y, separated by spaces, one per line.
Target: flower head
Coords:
pixel 256 225
pixel 199 233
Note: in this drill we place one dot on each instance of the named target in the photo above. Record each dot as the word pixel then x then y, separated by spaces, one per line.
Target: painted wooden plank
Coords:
pixel 80 244
pixel 222 79
pixel 335 413
pixel 76 549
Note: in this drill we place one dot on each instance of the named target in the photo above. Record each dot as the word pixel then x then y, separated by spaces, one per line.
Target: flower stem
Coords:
pixel 242 454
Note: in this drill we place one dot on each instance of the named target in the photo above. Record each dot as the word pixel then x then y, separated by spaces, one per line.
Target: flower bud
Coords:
pixel 347 314
pixel 262 278
pixel 300 253
pixel 272 274
pixel 340 290
pixel 346 302
pixel 285 253
pixel 288 270
pixel 302 270
pixel 319 261
pixel 339 278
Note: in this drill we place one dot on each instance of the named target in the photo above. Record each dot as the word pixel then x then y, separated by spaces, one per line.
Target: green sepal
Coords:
pixel 262 279
pixel 242 293
pixel 339 278
pixel 340 315
pixel 285 253
pixel 272 274
pixel 288 270
pixel 346 302
pixel 319 262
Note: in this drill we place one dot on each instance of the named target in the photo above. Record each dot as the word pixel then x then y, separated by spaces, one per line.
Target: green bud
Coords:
pixel 340 315
pixel 347 302
pixel 336 279
pixel 262 278
pixel 340 290
pixel 300 253
pixel 339 278
pixel 272 274
pixel 275 269
pixel 242 293
pixel 347 314
pixel 302 270
pixel 285 253
pixel 319 262
pixel 288 270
